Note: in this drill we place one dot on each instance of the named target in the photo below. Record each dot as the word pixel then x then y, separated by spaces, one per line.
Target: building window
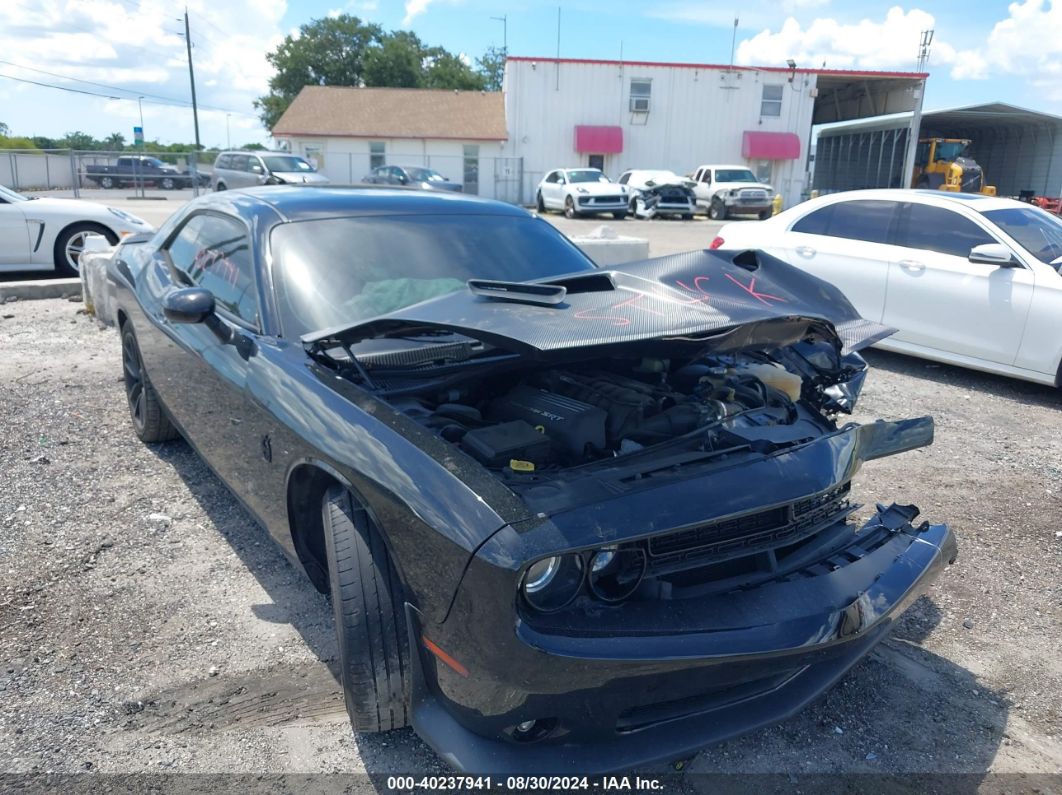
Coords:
pixel 763 170
pixel 640 93
pixel 471 181
pixel 772 101
pixel 376 154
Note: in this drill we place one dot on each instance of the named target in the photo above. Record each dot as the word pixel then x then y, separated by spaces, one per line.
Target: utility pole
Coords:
pixel 140 106
pixel 228 137
pixel 504 19
pixel 916 113
pixel 191 76
pixel 733 42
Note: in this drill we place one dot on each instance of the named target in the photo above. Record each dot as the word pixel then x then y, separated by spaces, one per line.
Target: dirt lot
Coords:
pixel 147 625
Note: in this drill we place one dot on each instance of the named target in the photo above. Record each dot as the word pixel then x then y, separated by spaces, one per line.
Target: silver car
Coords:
pixel 247 169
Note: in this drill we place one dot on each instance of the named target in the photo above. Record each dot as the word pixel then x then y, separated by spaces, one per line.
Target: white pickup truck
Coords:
pixel 731 190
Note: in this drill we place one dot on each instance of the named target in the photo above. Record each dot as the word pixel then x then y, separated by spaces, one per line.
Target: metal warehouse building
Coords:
pixel 1019 150
pixel 618 115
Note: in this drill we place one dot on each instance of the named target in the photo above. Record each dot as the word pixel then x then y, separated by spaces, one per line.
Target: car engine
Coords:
pixel 559 418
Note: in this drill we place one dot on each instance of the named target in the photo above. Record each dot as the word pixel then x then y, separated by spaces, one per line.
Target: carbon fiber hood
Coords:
pixel 731 302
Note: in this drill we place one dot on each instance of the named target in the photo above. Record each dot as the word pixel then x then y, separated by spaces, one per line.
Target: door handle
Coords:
pixel 912 266
pixel 805 251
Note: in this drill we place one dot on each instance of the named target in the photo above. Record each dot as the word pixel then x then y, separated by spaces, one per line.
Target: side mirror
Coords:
pixel 403 179
pixel 257 169
pixel 994 254
pixel 188 305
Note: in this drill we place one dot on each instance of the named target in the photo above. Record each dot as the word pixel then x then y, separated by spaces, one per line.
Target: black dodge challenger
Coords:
pixel 570 519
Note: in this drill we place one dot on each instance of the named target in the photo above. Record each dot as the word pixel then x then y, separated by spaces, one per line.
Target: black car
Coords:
pixel 411 177
pixel 570 519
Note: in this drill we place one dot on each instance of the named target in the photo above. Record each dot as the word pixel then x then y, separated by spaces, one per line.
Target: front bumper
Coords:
pixel 601 204
pixel 743 660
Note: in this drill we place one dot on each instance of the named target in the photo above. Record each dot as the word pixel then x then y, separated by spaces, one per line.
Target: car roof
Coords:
pixel 257 152
pixel 726 165
pixel 974 201
pixel 298 202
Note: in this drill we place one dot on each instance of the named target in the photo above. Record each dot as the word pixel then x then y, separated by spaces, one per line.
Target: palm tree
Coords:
pixel 115 142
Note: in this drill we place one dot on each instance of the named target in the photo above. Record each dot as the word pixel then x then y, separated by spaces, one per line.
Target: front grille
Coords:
pixel 607 199
pixel 767 528
pixel 752 195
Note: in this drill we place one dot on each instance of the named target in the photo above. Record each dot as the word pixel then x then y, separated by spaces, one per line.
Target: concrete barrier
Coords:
pixel 38 289
pixel 605 247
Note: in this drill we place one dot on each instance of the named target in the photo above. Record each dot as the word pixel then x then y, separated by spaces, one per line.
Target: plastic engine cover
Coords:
pixel 570 424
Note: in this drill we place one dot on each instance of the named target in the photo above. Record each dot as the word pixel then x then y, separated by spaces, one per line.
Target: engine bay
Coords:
pixel 560 417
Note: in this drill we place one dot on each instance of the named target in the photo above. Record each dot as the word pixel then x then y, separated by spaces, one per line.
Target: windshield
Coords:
pixel 1038 232
pixel 587 175
pixel 949 150
pixel 734 175
pixel 342 271
pixel 425 175
pixel 286 163
pixel 661 177
pixel 10 197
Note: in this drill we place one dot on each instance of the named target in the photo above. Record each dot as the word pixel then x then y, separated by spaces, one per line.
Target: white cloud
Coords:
pixel 866 44
pixel 140 48
pixel 414 8
pixel 1028 42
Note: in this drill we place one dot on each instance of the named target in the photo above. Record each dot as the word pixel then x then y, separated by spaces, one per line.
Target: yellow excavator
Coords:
pixel 941 164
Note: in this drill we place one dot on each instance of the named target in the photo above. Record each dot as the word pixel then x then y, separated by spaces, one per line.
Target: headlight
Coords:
pixel 551 583
pixel 616 573
pixel 733 193
pixel 127 217
pixel 582 190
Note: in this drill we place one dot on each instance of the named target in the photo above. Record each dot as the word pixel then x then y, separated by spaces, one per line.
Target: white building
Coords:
pixel 348 132
pixel 617 115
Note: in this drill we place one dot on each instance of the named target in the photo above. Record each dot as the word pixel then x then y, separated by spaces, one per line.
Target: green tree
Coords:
pixel 446 70
pixel 115 142
pixel 327 52
pixel 397 61
pixel 41 142
pixel 492 67
pixel 78 140
pixel 4 130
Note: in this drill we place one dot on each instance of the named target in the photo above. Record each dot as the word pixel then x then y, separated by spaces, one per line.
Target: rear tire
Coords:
pixel 369 608
pixel 150 423
pixel 106 182
pixel 687 216
pixel 168 184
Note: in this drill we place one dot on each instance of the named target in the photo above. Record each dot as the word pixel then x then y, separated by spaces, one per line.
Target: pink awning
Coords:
pixel 598 140
pixel 770 145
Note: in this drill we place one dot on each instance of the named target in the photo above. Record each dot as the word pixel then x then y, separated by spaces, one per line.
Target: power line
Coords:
pixel 135 92
pixel 175 103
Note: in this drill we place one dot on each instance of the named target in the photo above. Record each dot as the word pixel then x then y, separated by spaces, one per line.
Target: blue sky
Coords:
pixel 983 51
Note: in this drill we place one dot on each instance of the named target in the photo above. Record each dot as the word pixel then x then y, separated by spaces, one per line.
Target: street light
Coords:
pixel 139 168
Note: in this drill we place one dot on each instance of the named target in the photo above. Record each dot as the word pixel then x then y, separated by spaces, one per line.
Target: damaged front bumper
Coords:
pixel 718 666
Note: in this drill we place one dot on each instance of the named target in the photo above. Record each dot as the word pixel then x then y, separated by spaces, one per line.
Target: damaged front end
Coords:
pixel 689 568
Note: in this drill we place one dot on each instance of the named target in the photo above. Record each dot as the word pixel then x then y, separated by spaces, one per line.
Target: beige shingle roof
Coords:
pixel 395 113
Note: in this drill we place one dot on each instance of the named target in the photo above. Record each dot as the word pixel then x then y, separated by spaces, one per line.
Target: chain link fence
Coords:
pixel 88 173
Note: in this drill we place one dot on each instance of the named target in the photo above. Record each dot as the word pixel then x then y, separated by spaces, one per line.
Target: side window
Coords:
pixel 552 177
pixel 941 230
pixel 222 161
pixel 816 223
pixel 215 253
pixel 641 91
pixel 869 221
pixel 240 163
pixel 706 177
pixel 377 152
pixel 625 178
pixel 771 104
pixel 255 164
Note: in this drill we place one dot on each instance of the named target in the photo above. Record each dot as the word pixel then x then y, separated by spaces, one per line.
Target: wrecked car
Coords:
pixel 570 519
pixel 660 193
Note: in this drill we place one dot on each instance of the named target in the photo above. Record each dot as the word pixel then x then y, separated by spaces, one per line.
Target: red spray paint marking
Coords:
pixel 751 290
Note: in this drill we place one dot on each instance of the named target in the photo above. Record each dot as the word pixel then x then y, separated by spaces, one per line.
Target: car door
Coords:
pixel 15 243
pixel 550 190
pixel 847 244
pixel 939 299
pixel 702 188
pixel 200 372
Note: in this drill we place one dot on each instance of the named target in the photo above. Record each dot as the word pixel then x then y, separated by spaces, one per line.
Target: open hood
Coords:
pixel 730 302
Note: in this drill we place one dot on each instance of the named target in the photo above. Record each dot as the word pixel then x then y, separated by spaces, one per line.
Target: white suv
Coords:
pixel 731 190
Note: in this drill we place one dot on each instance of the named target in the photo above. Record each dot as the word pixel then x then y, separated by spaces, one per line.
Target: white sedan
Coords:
pixel 581 191
pixel 42 234
pixel 966 279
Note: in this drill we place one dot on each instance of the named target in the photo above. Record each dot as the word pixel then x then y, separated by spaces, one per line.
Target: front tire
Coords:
pixel 539 204
pixel 717 210
pixel 150 423
pixel 621 216
pixel 220 186
pixel 569 207
pixel 66 254
pixel 370 619
pixel 765 214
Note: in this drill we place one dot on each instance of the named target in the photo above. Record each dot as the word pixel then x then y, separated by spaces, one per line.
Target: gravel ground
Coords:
pixel 147 625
